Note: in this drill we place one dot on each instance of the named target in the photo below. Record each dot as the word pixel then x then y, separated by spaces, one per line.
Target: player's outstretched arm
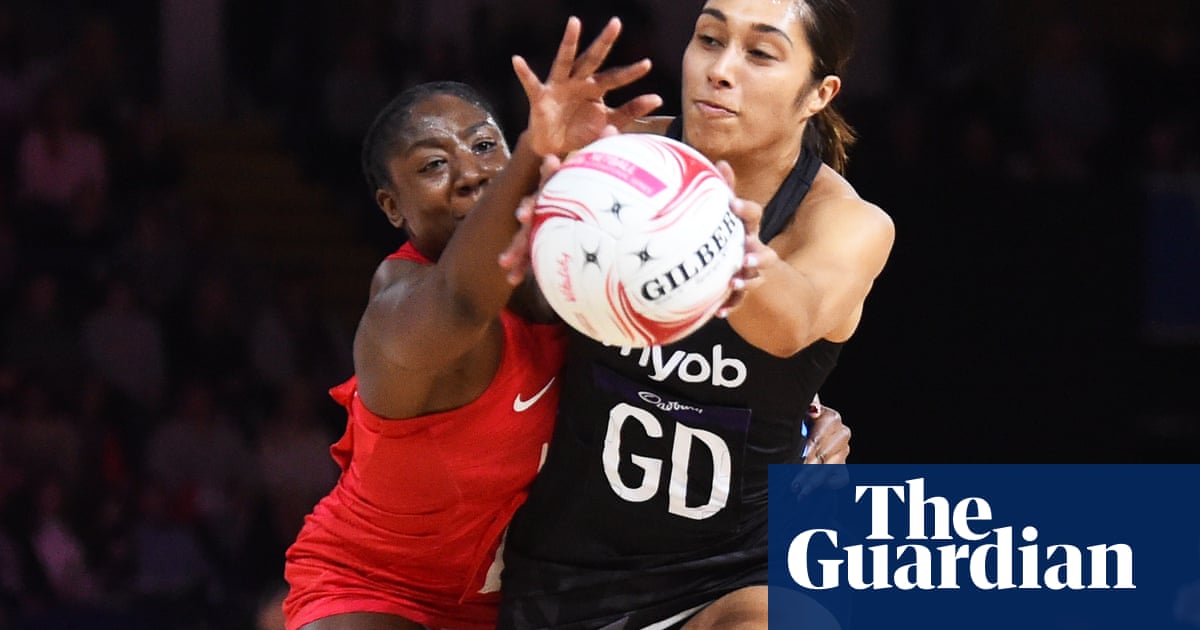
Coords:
pixel 421 319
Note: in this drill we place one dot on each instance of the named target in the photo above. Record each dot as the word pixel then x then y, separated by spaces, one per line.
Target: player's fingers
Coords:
pixel 514 260
pixel 812 456
pixel 832 446
pixel 839 450
pixel 751 271
pixel 737 293
pixel 598 50
pixel 621 76
pixel 525 210
pixel 517 275
pixel 635 108
pixel 726 172
pixel 564 59
pixel 823 423
pixel 745 280
pixel 550 165
pixel 815 408
pixel 823 416
pixel 750 214
pixel 528 78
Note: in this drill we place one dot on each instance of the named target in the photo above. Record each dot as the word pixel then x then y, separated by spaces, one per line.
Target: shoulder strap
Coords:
pixel 782 207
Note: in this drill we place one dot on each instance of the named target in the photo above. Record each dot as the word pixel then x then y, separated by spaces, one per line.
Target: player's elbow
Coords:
pixel 784 351
pixel 772 333
pixel 786 343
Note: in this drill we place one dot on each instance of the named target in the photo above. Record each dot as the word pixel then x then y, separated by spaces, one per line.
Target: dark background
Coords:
pixel 182 265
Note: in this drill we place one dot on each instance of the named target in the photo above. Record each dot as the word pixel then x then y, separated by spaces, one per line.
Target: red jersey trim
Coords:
pixel 408 252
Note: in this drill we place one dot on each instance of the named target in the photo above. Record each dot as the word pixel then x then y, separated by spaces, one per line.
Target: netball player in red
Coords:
pixel 455 386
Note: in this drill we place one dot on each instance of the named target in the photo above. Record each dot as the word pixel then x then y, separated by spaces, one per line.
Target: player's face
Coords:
pixel 450 151
pixel 746 65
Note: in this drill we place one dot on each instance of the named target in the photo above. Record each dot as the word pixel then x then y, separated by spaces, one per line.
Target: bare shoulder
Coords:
pixel 832 217
pixel 650 124
pixel 832 193
pixel 392 272
pixel 391 286
pixel 389 383
pixel 830 185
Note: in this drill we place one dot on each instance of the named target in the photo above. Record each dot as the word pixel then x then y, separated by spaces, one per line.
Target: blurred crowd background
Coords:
pixel 186 243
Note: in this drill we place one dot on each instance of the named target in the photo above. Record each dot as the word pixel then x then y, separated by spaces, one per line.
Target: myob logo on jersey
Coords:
pixel 691 367
pixel 942 544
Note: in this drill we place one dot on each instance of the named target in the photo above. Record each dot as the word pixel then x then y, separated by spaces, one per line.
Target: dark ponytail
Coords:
pixel 831 137
pixel 830 26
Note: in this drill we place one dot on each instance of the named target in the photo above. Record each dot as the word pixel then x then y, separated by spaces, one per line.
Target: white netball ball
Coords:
pixel 633 241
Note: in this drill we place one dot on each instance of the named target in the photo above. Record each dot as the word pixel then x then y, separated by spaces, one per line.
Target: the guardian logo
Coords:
pixel 960 548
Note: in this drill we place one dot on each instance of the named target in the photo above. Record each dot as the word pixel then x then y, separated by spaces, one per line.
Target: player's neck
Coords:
pixel 760 173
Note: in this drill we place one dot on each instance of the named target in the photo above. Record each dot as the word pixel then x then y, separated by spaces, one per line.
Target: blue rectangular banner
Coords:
pixel 1061 547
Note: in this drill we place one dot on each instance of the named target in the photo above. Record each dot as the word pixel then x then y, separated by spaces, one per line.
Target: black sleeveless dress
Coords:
pixel 653 499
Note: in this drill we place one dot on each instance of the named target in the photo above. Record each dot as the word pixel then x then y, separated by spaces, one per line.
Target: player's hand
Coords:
pixel 748 277
pixel 514 260
pixel 567 111
pixel 828 443
pixel 828 437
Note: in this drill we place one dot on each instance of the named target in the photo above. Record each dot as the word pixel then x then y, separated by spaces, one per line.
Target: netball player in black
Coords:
pixel 651 509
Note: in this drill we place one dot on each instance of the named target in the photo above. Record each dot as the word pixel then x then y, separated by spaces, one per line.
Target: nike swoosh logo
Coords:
pixel 521 405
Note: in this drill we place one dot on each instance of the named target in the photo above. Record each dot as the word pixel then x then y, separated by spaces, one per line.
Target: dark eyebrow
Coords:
pixel 425 143
pixel 473 129
pixel 438 143
pixel 759 27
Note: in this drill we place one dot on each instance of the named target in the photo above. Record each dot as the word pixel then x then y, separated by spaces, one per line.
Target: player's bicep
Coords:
pixel 840 253
pixel 411 323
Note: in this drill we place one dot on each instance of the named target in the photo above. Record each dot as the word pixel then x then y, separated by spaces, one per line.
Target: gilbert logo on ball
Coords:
pixel 633 240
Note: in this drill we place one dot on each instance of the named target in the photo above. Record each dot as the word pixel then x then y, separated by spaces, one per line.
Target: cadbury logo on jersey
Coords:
pixel 691 367
pixel 666 405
